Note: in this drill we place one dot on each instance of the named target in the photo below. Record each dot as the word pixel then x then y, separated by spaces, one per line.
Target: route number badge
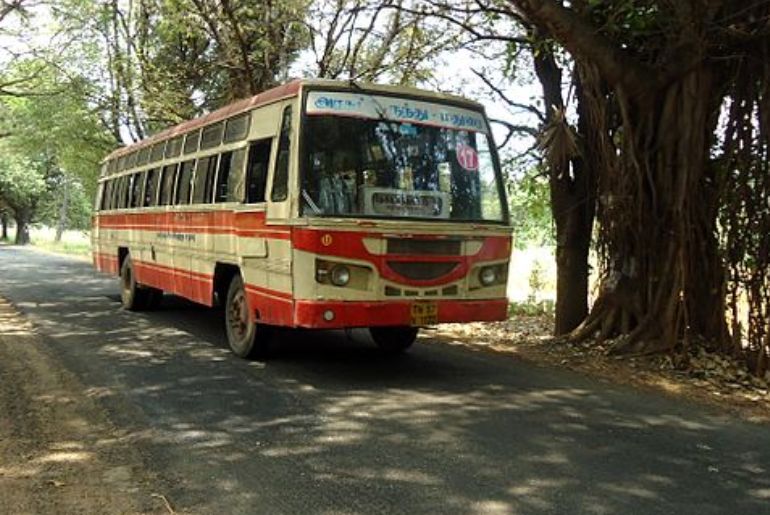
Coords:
pixel 467 157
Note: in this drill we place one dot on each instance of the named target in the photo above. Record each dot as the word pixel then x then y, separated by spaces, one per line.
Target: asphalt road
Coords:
pixel 330 426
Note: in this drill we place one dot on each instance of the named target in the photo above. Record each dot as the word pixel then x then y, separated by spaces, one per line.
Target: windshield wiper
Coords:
pixel 309 200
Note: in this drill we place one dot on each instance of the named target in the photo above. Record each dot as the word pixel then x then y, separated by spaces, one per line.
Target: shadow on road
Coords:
pixel 331 425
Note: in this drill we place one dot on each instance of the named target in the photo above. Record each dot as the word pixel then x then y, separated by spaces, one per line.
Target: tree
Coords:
pixel 4 218
pixel 55 134
pixel 58 121
pixel 165 61
pixel 8 7
pixel 657 75
pixel 374 40
pixel 23 187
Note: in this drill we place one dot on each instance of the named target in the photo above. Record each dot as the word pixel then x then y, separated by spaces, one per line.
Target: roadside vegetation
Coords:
pixel 71 242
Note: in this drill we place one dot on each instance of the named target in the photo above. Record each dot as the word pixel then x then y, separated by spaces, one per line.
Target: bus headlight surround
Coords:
pixel 488 275
pixel 340 275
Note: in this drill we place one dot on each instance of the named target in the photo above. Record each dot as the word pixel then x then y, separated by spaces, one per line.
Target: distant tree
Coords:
pixel 24 186
pixel 4 219
pixel 530 204
pixel 57 130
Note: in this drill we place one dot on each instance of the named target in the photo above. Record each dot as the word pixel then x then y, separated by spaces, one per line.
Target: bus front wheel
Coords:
pixel 133 296
pixel 393 340
pixel 245 337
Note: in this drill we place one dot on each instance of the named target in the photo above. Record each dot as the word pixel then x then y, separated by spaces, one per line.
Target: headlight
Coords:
pixel 340 275
pixel 488 275
pixel 334 273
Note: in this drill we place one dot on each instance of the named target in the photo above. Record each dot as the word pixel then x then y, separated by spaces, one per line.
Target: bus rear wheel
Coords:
pixel 393 340
pixel 134 296
pixel 246 338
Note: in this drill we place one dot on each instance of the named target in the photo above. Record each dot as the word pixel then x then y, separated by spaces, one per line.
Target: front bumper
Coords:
pixel 310 314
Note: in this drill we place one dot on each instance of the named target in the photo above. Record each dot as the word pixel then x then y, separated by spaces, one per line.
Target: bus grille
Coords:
pixel 412 247
pixel 422 271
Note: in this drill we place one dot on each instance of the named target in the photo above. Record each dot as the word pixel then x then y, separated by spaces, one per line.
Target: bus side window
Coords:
pixel 123 192
pixel 184 182
pixel 230 179
pixel 281 178
pixel 114 195
pixel 256 171
pixel 166 185
pixel 129 190
pixel 151 188
pixel 98 201
pixel 137 182
pixel 204 178
pixel 211 176
pixel 106 193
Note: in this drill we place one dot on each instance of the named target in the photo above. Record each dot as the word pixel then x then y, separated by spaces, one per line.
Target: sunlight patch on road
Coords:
pixel 65 457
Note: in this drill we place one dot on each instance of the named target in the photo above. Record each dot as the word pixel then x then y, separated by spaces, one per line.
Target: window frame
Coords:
pixel 229 192
pixel 152 176
pixel 212 165
pixel 178 182
pixel 211 136
pixel 166 171
pixel 196 134
pixel 137 196
pixel 269 142
pixel 279 190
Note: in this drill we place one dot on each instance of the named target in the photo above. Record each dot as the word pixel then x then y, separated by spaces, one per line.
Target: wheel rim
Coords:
pixel 238 317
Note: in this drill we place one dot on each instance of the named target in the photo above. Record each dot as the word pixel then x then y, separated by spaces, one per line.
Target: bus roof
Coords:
pixel 287 90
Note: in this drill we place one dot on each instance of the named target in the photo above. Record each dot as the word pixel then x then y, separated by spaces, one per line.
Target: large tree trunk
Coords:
pixel 572 273
pixel 572 188
pixel 664 278
pixel 4 224
pixel 22 228
pixel 574 210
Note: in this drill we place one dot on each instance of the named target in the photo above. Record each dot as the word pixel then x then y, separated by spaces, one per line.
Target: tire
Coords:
pixel 393 340
pixel 155 298
pixel 246 338
pixel 132 296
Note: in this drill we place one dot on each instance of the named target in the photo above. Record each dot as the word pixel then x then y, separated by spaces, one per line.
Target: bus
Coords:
pixel 317 204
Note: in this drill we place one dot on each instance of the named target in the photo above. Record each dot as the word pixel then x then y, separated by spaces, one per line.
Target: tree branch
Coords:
pixel 514 129
pixel 529 108
pixel 583 41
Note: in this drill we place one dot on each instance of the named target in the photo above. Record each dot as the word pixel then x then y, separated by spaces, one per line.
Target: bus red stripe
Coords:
pixel 247 224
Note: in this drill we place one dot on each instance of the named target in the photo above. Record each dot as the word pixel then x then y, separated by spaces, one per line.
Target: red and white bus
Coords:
pixel 316 204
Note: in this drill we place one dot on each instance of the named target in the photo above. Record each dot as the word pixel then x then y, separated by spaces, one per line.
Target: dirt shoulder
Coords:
pixel 706 378
pixel 58 451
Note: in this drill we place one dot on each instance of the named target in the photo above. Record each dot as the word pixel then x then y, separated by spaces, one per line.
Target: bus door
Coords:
pixel 279 214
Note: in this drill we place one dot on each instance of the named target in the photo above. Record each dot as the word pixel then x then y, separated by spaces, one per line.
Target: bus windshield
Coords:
pixel 378 157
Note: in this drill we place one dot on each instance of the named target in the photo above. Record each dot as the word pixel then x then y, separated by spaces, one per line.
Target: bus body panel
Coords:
pixel 179 248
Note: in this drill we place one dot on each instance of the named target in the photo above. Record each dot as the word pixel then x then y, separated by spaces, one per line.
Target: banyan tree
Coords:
pixel 678 97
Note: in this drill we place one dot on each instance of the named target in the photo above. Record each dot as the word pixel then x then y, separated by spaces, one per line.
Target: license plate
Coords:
pixel 424 313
